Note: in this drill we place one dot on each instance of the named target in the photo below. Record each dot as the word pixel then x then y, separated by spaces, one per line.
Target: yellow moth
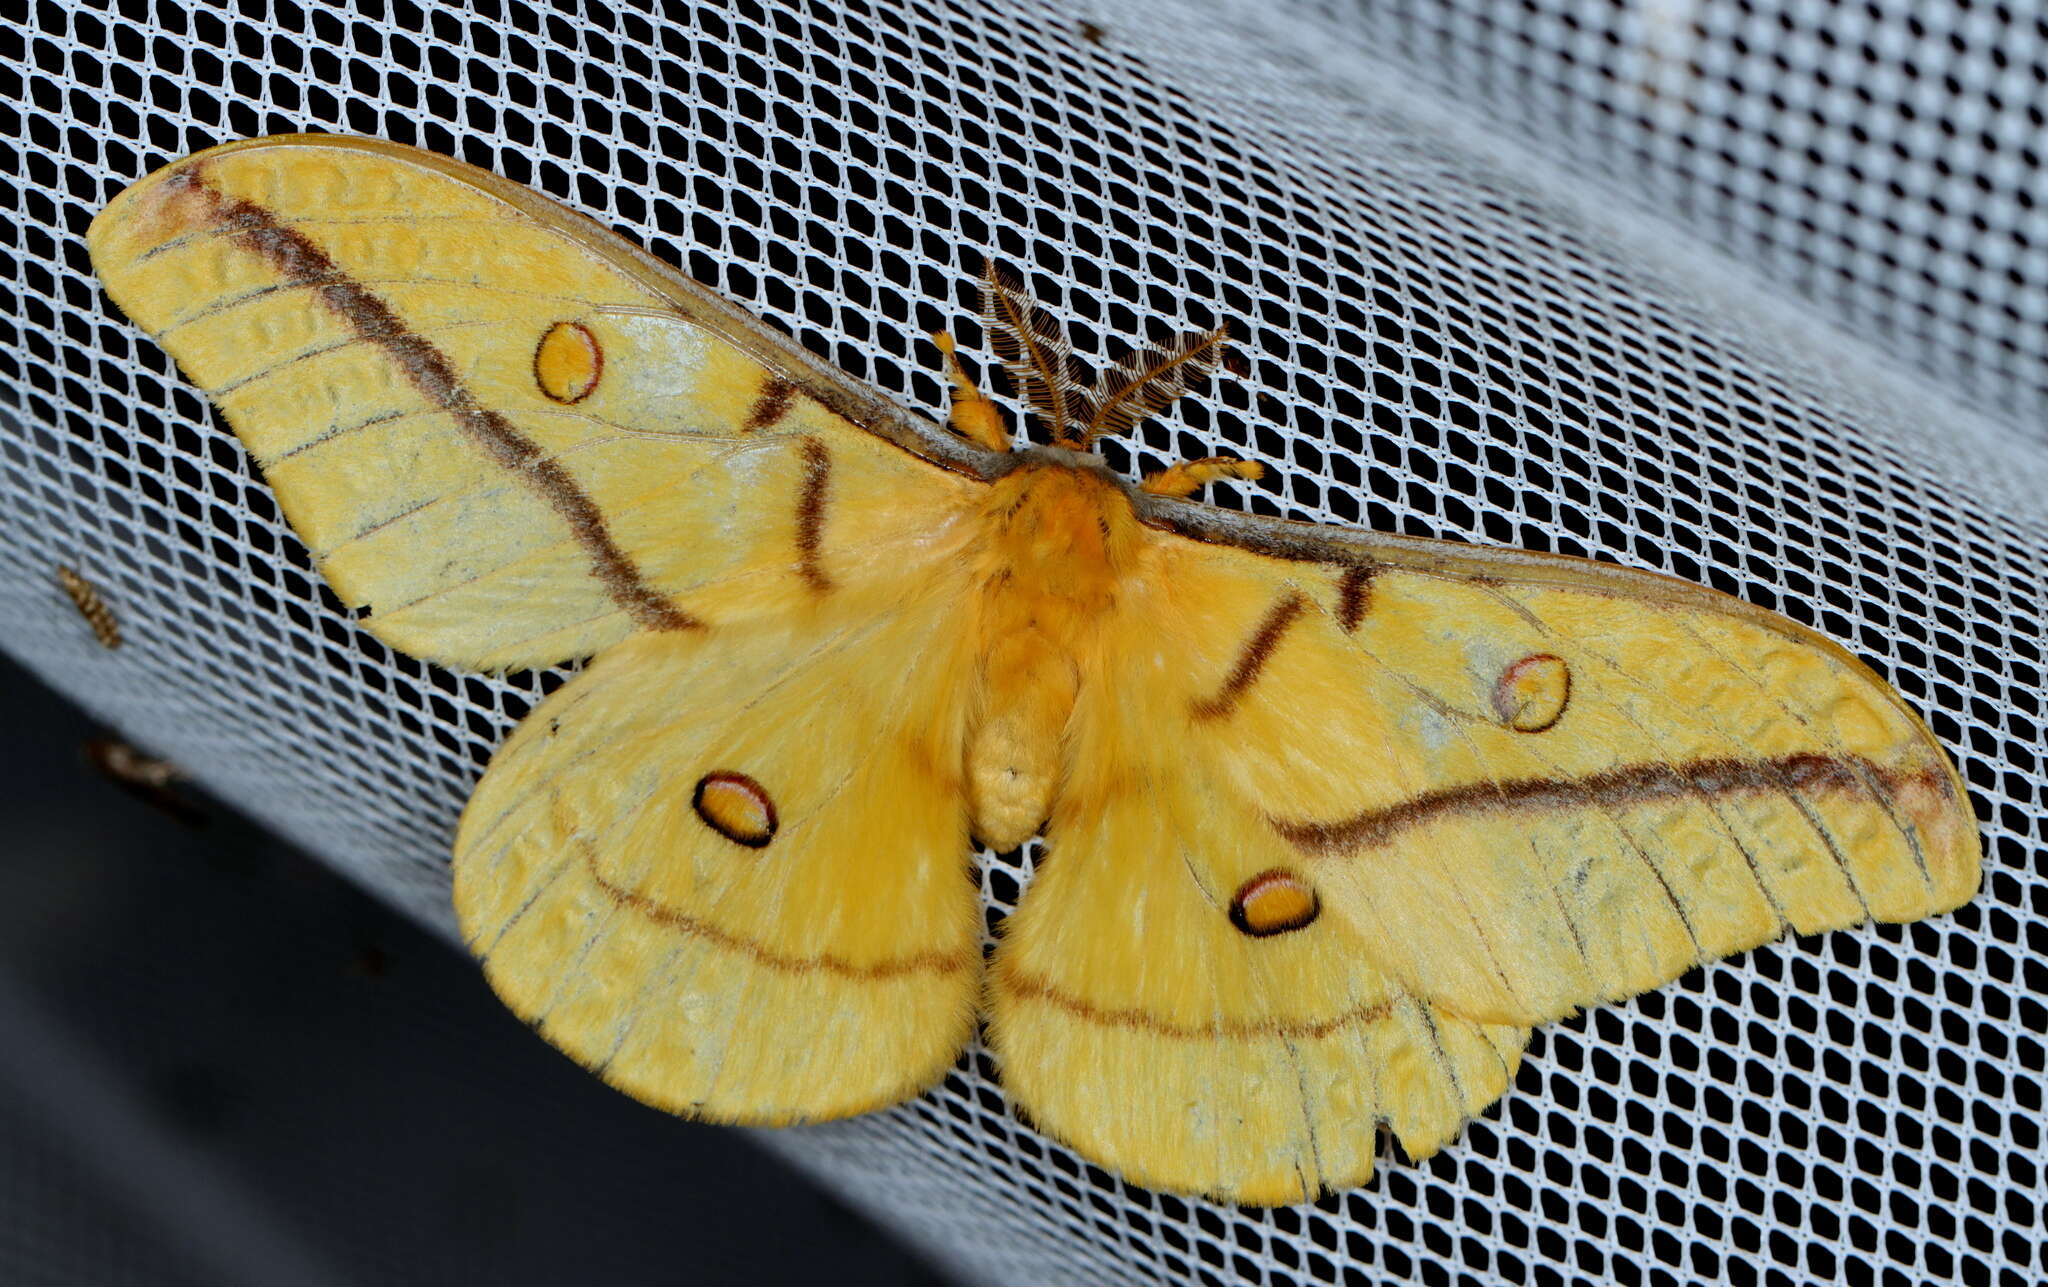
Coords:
pixel 1333 817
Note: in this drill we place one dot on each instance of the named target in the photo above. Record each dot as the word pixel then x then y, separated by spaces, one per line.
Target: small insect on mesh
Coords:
pixel 1751 293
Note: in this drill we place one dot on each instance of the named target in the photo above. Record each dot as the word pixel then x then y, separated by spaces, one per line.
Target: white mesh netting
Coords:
pixel 1700 287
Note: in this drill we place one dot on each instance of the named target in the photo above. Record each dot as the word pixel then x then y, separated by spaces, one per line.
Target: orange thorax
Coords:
pixel 1059 538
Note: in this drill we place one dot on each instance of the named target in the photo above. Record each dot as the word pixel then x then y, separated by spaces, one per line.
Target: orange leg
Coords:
pixel 1190 476
pixel 973 416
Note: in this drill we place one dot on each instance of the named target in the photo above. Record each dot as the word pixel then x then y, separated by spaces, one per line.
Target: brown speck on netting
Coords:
pixel 148 778
pixel 92 606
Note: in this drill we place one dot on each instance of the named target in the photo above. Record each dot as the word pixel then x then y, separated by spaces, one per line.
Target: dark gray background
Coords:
pixel 210 1045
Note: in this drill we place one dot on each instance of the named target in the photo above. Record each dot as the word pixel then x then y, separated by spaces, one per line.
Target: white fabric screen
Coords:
pixel 1750 292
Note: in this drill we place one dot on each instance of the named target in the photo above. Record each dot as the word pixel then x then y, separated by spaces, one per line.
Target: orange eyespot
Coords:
pixel 1274 902
pixel 567 362
pixel 736 807
pixel 1533 693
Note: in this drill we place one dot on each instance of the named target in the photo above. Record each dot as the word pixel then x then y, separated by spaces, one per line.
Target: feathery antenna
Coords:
pixel 1148 380
pixel 1033 349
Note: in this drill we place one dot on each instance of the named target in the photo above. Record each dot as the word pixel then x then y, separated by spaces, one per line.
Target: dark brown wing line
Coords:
pixel 1632 784
pixel 301 263
pixel 770 406
pixel 1252 659
pixel 1024 987
pixel 1354 596
pixel 940 963
pixel 810 514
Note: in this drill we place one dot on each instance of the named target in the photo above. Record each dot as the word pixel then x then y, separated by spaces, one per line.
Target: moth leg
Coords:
pixel 973 416
pixel 1190 476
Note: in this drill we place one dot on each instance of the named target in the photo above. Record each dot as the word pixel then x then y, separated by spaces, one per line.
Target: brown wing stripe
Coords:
pixel 301 263
pixel 1252 660
pixel 1632 784
pixel 1354 597
pixel 824 963
pixel 810 513
pixel 771 406
pixel 1023 987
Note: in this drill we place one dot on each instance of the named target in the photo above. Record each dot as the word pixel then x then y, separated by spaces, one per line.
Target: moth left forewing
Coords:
pixel 1534 783
pixel 512 436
